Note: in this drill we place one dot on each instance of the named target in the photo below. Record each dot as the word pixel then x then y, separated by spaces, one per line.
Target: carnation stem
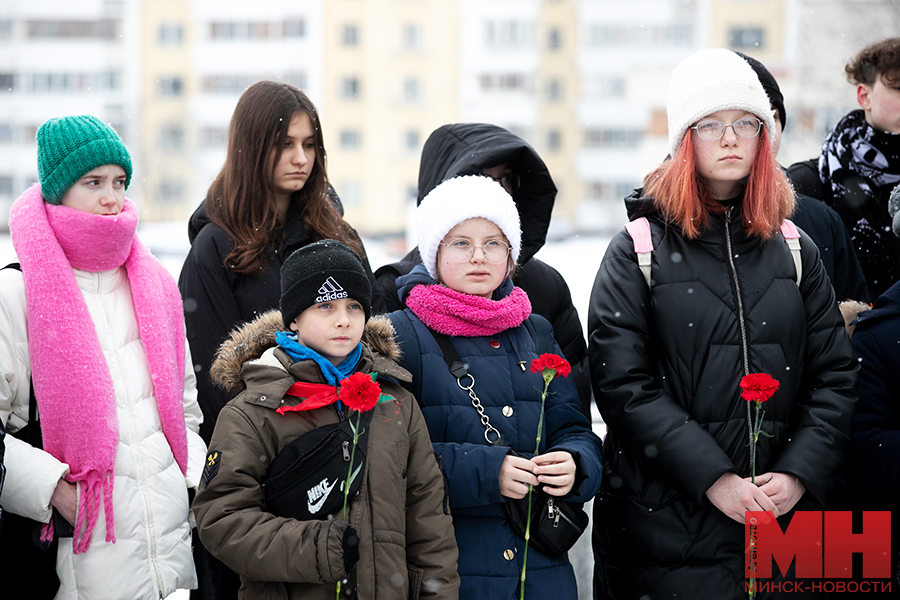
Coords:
pixel 347 486
pixel 537 449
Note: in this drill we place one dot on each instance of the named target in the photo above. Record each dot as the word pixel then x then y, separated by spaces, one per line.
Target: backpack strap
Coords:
pixel 639 230
pixel 792 237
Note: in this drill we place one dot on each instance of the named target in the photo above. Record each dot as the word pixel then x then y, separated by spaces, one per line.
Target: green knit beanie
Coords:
pixel 69 147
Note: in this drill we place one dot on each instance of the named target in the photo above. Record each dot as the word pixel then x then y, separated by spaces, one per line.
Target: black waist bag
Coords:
pixel 306 480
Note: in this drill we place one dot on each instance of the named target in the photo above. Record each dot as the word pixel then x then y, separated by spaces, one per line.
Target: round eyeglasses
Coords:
pixel 494 251
pixel 712 130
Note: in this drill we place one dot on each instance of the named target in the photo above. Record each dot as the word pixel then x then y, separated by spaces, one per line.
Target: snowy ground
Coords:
pixel 576 257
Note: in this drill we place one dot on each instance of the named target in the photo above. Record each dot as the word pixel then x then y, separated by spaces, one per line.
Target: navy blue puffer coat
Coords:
pixel 490 554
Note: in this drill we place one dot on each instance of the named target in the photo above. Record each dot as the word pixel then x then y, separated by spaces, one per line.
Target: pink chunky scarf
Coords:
pixel 457 314
pixel 72 381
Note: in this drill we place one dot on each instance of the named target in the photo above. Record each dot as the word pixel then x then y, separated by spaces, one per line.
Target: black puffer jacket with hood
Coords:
pixel 666 362
pixel 466 149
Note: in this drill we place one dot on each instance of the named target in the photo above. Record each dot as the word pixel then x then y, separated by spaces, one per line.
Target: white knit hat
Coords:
pixel 711 80
pixel 458 199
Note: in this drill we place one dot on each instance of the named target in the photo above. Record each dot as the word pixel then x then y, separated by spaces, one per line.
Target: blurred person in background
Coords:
pixel 860 163
pixel 819 220
pixel 270 198
pixel 484 149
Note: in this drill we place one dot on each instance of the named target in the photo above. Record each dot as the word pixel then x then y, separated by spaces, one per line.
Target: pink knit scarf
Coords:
pixel 457 314
pixel 72 381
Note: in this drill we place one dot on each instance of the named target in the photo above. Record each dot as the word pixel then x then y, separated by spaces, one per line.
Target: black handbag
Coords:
pixel 22 553
pixel 306 480
pixel 555 524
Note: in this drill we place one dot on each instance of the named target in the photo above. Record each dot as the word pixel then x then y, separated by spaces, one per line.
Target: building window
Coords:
pixel 170 34
pixel 6 133
pixel 412 194
pixel 554 140
pixel 553 90
pixel 5 29
pixel 106 29
pixel 510 33
pixel 171 192
pixel 295 78
pixel 509 82
pixel 226 84
pixel 411 140
pixel 349 35
pixel 350 87
pixel 747 38
pixel 412 91
pixel 171 137
pixel 212 137
pixel 612 138
pixel 7 82
pixel 351 193
pixel 604 87
pixel 681 35
pixel 294 28
pixel 6 185
pixel 350 139
pixel 412 36
pixel 554 39
pixel 169 86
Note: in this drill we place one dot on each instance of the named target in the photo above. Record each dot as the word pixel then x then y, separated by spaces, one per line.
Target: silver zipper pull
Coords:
pixel 346 448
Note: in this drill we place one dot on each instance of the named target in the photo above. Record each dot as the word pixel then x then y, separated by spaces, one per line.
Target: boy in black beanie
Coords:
pixel 282 529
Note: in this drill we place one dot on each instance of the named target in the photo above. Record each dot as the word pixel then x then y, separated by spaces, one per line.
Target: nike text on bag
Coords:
pixel 305 481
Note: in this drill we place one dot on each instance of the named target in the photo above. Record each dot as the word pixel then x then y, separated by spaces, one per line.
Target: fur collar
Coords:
pixel 249 341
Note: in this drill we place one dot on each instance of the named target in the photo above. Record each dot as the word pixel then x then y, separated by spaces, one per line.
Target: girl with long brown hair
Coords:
pixel 724 294
pixel 271 197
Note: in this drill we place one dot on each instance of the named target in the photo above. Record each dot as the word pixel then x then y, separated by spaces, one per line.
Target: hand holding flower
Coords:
pixel 556 471
pixel 734 496
pixel 782 489
pixel 516 474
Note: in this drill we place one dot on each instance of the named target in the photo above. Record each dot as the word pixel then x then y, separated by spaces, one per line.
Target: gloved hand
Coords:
pixel 351 549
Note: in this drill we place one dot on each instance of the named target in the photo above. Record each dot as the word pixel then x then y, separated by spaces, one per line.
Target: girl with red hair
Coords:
pixel 723 296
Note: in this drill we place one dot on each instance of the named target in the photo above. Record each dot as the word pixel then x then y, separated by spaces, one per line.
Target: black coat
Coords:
pixel 868 222
pixel 830 235
pixel 217 300
pixel 873 463
pixel 465 149
pixel 666 362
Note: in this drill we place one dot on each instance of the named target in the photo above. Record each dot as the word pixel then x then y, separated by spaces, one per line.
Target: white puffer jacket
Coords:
pixel 152 554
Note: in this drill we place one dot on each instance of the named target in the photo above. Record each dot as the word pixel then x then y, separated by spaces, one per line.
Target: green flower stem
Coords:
pixel 347 486
pixel 548 377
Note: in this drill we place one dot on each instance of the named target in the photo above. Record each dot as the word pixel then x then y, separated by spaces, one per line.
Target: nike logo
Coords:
pixel 322 490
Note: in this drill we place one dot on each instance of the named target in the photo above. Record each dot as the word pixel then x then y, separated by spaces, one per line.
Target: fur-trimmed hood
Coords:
pixel 249 341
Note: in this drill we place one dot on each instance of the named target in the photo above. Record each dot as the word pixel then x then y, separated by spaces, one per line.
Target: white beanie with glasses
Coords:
pixel 711 80
pixel 458 199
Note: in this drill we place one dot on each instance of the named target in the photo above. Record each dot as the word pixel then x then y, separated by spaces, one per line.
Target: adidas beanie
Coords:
pixel 321 272
pixel 458 199
pixel 711 80
pixel 69 147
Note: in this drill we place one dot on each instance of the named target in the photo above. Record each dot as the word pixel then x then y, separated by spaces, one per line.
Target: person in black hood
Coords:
pixel 484 149
pixel 818 219
pixel 671 342
pixel 271 198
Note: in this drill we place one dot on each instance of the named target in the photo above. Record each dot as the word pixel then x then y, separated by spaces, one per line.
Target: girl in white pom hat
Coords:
pixel 699 291
pixel 462 295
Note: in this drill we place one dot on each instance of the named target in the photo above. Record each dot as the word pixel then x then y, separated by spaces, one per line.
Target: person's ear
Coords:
pixel 293 326
pixel 863 95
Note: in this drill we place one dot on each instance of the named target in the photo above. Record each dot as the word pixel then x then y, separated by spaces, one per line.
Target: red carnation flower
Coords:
pixel 551 361
pixel 359 392
pixel 758 387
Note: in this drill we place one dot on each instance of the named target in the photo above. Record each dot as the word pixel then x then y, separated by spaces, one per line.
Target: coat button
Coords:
pixel 509 554
pixel 262 398
pixel 507 411
pixel 495 344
